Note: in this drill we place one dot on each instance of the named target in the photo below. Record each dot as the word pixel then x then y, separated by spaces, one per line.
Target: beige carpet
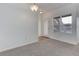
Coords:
pixel 45 47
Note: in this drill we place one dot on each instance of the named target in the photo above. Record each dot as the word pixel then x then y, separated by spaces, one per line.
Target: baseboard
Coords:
pixel 66 42
pixel 6 49
pixel 61 40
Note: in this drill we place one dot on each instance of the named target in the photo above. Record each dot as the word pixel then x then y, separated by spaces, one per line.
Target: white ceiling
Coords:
pixel 52 6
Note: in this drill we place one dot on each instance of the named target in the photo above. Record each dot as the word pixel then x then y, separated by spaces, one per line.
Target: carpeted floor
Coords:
pixel 45 47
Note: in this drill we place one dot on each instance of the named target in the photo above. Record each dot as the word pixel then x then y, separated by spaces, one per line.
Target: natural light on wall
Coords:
pixel 67 20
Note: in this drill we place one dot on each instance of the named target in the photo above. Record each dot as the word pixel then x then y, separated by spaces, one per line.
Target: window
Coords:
pixel 63 24
pixel 56 24
pixel 67 20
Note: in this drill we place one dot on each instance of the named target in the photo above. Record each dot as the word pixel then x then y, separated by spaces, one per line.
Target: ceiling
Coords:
pixel 52 6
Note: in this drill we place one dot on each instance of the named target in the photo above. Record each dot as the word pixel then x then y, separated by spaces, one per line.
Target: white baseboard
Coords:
pixel 6 49
pixel 73 43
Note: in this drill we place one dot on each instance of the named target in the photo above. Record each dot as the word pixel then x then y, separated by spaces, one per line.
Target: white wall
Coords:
pixel 78 28
pixel 40 25
pixel 44 23
pixel 78 23
pixel 18 25
pixel 69 38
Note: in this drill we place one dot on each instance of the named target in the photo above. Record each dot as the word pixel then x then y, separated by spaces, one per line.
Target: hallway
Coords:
pixel 45 47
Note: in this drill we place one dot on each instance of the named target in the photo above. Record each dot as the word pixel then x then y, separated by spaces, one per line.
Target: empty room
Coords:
pixel 39 29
